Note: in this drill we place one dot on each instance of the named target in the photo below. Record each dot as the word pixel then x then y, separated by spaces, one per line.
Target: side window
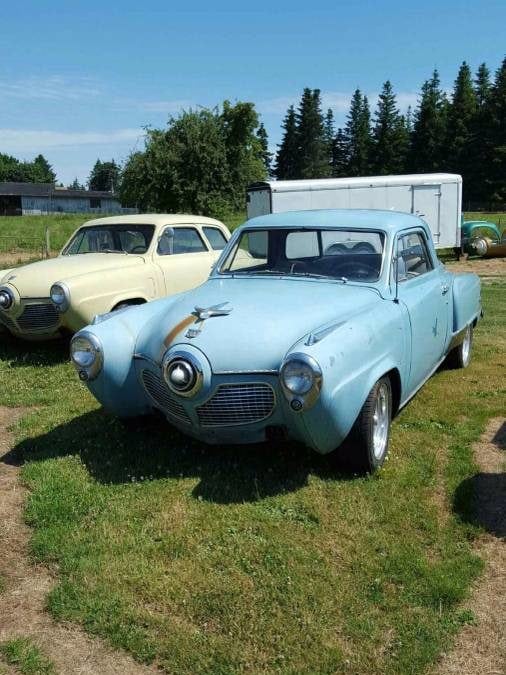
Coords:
pixel 302 245
pixel 412 256
pixel 215 237
pixel 180 240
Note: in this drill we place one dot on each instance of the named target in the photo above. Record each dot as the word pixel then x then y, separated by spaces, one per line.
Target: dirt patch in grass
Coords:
pixel 22 602
pixel 481 646
pixel 488 268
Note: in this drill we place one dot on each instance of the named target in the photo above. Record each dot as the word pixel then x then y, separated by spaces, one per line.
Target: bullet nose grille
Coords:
pixel 234 404
pixel 6 321
pixel 38 317
pixel 159 392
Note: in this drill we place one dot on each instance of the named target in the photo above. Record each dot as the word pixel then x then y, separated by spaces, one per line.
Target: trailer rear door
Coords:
pixel 427 205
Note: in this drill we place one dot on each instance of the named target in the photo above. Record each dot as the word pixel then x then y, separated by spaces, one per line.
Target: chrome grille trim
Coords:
pixel 159 393
pixel 235 404
pixel 38 317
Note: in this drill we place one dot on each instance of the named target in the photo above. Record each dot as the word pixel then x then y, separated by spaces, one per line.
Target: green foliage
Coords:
pixel 312 159
pixel 340 155
pixel 462 113
pixel 37 171
pixel 390 135
pixel 201 163
pixel 266 156
pixel 429 128
pixel 358 135
pixel 286 158
pixel 76 185
pixel 26 657
pixel 104 176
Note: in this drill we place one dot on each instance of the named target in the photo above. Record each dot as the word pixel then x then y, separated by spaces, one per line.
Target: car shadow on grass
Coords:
pixel 23 354
pixel 152 450
pixel 481 499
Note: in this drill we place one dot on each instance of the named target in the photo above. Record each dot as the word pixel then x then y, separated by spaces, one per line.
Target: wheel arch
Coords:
pixel 128 301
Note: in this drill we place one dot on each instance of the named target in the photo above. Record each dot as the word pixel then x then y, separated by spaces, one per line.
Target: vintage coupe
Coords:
pixel 314 325
pixel 107 264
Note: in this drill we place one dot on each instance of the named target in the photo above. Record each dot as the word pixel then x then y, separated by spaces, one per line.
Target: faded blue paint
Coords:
pixel 379 329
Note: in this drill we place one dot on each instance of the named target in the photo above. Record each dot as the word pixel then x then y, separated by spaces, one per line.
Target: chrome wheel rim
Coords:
pixel 466 346
pixel 381 420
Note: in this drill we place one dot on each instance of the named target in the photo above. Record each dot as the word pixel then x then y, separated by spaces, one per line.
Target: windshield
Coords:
pixel 124 238
pixel 343 254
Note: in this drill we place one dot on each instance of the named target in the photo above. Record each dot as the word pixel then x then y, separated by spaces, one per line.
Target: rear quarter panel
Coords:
pixel 466 291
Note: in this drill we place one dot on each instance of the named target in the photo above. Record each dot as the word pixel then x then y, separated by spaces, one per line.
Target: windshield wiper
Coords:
pixel 111 250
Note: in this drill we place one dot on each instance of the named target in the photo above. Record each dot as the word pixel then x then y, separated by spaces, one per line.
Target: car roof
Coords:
pixel 154 219
pixel 352 218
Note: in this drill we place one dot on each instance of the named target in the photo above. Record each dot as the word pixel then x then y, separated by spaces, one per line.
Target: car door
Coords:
pixel 423 292
pixel 184 257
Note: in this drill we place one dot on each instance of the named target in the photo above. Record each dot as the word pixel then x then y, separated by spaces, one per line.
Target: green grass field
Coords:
pixel 258 559
pixel 27 233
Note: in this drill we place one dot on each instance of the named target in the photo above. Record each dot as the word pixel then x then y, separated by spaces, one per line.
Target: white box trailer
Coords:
pixel 435 197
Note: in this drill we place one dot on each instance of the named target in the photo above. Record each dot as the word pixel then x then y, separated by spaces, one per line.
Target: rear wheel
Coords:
pixel 460 356
pixel 368 439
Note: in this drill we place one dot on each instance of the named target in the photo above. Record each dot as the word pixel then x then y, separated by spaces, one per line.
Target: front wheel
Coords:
pixel 460 356
pixel 368 439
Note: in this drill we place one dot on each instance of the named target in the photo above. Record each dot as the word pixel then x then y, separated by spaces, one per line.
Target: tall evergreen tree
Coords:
pixel 390 137
pixel 429 128
pixel 496 131
pixel 358 135
pixel 329 137
pixel 312 157
pixel 286 157
pixel 265 155
pixel 340 155
pixel 461 117
pixel 104 176
pixel 482 85
pixel 42 171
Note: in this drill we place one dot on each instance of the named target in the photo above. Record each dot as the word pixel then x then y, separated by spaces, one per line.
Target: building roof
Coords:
pixel 49 190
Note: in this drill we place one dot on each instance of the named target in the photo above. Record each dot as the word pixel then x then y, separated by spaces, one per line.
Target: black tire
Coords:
pixel 460 356
pixel 367 447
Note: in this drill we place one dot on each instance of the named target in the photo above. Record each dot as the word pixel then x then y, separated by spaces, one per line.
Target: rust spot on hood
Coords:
pixel 178 328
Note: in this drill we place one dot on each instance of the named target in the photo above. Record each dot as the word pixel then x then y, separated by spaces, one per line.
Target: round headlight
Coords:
pixel 86 355
pixel 182 373
pixel 60 296
pixel 6 298
pixel 301 379
pixel 298 377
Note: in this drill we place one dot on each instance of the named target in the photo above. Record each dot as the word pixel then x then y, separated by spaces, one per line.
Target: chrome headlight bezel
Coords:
pixel 187 364
pixel 305 397
pixel 60 296
pixel 6 292
pixel 91 370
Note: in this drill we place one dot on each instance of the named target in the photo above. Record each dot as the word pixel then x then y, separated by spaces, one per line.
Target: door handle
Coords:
pixel 445 288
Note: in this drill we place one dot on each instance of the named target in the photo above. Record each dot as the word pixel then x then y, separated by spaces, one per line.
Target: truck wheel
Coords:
pixel 368 439
pixel 460 356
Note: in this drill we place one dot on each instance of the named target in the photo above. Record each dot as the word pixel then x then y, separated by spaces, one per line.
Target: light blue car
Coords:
pixel 316 326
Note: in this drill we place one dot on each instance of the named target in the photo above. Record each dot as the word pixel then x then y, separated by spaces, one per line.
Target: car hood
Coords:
pixel 268 316
pixel 35 279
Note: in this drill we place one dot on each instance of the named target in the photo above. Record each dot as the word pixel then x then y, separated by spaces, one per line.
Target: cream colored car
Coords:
pixel 109 263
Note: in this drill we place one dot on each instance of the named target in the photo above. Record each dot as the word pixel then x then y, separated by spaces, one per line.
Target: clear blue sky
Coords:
pixel 79 80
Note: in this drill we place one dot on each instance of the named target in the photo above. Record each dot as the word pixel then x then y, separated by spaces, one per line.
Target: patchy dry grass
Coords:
pixel 257 559
pixel 26 657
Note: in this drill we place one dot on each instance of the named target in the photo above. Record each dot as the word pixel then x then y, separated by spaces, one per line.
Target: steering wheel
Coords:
pixel 363 247
pixel 335 249
pixel 138 249
pixel 357 270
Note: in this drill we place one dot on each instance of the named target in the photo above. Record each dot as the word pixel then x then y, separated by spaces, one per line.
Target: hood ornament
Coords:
pixel 203 313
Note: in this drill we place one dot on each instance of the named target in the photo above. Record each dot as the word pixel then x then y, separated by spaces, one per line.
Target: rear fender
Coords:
pixel 466 300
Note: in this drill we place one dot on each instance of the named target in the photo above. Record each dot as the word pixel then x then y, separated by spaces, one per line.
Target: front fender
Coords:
pixel 353 358
pixel 117 387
